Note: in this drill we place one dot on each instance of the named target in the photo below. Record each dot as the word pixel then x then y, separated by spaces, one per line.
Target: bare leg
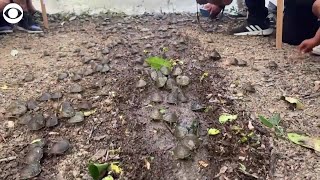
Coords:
pixel 31 8
pixel 3 4
pixel 23 4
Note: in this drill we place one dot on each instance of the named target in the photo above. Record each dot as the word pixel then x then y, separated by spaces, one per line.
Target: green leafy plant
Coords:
pixel 157 63
pixel 273 122
pixel 99 171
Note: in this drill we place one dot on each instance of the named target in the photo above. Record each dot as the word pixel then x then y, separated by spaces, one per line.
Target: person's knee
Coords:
pixel 3 4
pixel 227 2
pixel 316 8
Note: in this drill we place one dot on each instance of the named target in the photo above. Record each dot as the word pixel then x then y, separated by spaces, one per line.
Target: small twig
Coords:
pixel 8 159
pixel 248 174
pixel 168 127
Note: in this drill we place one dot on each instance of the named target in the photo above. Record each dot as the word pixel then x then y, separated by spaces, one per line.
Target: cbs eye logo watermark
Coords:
pixel 13 13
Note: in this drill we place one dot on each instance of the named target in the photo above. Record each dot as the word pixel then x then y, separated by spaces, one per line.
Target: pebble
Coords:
pixel 76 77
pixel 231 62
pixel 30 171
pixel 248 87
pixel 156 97
pixel 165 71
pixel 173 97
pixel 317 85
pixel 105 68
pixel 32 105
pixel 56 95
pixel 156 115
pixel 67 110
pixel 272 65
pixel 52 121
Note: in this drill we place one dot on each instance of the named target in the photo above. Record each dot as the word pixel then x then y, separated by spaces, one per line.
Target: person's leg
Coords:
pixel 30 7
pixel 5 27
pixel 257 22
pixel 27 23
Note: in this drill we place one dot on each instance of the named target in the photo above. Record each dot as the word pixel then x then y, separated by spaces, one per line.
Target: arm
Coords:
pixel 307 45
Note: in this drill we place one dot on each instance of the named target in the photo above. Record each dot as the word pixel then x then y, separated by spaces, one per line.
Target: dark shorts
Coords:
pixel 299 23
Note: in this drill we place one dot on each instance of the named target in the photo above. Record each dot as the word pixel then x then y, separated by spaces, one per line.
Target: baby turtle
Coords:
pixel 45 97
pixel 170 117
pixel 191 141
pixel 99 84
pixel 105 68
pixel 156 115
pixel 32 105
pixel 85 105
pixel 17 108
pixel 36 123
pixel 177 71
pixel 272 65
pixel 34 155
pixel 52 121
pixel 165 71
pixel 173 97
pixel 56 96
pixel 248 87
pixel 76 88
pixel 62 76
pixel 181 152
pixel 28 77
pixel 154 75
pixel 180 132
pixel 67 110
pixel 77 118
pixel 30 171
pixel 171 83
pixel 183 80
pixel 24 120
pixel 60 147
pixel 215 56
pixel 76 77
pixel 156 97
pixel 141 83
pixel 182 97
pixel 161 81
pixel 196 107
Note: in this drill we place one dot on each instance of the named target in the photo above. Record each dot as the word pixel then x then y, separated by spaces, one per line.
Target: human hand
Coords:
pixel 307 45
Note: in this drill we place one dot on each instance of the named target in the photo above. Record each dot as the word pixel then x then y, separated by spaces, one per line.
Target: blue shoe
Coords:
pixel 5 27
pixel 27 24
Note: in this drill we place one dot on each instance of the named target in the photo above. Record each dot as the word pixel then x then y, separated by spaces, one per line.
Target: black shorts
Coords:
pixel 299 23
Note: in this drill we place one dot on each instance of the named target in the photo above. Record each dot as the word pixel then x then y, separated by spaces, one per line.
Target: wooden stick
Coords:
pixel 280 10
pixel 44 15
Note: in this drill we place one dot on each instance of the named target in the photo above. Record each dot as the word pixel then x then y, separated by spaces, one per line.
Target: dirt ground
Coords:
pixel 121 126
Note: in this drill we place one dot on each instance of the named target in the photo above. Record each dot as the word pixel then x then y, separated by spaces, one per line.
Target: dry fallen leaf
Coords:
pixel 203 164
pixel 147 165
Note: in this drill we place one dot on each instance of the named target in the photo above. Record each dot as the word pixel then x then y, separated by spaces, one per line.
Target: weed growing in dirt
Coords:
pixel 157 63
pixel 273 122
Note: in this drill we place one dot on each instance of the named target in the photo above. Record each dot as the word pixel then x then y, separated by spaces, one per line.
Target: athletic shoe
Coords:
pixel 252 30
pixel 27 24
pixel 5 27
pixel 316 50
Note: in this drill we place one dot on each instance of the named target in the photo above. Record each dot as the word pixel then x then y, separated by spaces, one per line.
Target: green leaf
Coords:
pixel 266 122
pixel 213 131
pixel 305 141
pixel 97 170
pixel 242 167
pixel 162 111
pixel 275 119
pixel 115 168
pixel 108 178
pixel 157 63
pixel 227 117
pixel 204 75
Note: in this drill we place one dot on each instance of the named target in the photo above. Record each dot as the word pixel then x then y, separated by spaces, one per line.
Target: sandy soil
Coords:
pixel 122 119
